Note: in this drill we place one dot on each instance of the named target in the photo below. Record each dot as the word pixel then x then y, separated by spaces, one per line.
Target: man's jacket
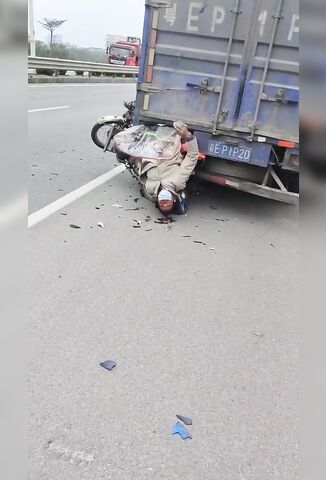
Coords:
pixel 169 174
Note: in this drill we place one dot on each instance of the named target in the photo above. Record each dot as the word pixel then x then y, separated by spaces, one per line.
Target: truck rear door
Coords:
pixel 229 66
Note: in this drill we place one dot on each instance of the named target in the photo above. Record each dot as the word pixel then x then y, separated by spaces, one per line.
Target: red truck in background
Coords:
pixel 125 52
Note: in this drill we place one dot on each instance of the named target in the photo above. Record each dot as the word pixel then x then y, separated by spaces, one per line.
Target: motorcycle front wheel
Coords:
pixel 100 133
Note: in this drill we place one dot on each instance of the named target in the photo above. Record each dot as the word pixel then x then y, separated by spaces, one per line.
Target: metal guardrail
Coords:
pixel 57 64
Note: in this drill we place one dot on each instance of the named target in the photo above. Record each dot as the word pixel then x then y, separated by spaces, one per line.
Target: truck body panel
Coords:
pixel 230 70
pixel 231 66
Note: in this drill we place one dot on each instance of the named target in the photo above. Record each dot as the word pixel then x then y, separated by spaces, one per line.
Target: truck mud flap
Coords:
pixel 254 188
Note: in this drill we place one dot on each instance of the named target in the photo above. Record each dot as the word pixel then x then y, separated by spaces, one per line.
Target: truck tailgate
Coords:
pixel 231 66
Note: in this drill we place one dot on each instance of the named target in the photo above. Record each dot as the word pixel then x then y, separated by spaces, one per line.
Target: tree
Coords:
pixel 51 25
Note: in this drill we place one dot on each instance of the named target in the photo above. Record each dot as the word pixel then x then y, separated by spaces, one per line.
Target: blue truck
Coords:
pixel 230 70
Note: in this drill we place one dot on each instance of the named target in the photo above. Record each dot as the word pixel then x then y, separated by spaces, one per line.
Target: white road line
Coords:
pixel 47 109
pixel 62 202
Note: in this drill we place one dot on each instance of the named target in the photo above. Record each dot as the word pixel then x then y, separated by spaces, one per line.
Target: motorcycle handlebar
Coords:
pixel 129 105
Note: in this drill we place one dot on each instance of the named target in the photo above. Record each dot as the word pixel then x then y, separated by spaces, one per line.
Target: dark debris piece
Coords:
pixel 99 207
pixel 109 365
pixel 149 230
pixel 179 429
pixel 186 236
pixel 272 245
pixel 165 220
pixel 63 214
pixel 76 227
pixel 199 243
pixel 185 420
pixel 136 226
pixel 136 200
pixel 258 334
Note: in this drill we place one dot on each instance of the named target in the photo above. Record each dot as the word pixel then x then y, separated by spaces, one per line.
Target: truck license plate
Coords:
pixel 237 153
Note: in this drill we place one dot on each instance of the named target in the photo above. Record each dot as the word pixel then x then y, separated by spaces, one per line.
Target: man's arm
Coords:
pixel 189 162
pixel 187 166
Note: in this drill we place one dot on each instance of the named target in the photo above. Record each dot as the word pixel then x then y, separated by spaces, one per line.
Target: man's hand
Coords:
pixel 182 130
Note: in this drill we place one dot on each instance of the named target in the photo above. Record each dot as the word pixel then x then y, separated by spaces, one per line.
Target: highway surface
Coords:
pixel 206 330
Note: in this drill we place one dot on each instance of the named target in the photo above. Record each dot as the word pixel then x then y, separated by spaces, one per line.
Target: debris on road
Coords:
pixel 186 236
pixel 149 230
pixel 179 429
pixel 100 224
pixel 136 200
pixel 108 365
pixel 258 335
pixel 272 245
pixel 199 242
pixel 213 249
pixel 132 209
pixel 116 205
pixel 99 206
pixel 138 222
pixel 185 420
pixel 165 220
pixel 64 214
pixel 76 227
pixel 222 220
pixel 148 218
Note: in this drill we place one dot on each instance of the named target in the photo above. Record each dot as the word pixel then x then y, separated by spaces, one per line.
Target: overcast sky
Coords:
pixel 89 21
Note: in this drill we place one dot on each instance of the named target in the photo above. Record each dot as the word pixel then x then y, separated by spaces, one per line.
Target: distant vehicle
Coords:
pixel 125 52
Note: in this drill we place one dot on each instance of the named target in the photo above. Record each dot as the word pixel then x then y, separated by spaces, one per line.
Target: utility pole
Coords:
pixel 31 28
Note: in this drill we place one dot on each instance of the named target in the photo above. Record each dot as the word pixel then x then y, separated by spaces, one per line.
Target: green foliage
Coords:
pixel 70 52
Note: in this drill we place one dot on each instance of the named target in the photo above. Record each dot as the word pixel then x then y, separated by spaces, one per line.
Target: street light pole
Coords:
pixel 31 28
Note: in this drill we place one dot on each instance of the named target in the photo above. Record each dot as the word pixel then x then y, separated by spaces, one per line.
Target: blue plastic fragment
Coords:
pixel 185 420
pixel 179 429
pixel 109 365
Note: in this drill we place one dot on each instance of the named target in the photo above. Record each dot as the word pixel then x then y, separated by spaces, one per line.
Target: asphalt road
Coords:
pixel 61 154
pixel 203 330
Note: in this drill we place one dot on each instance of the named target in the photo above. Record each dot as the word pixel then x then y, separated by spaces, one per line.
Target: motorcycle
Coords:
pixel 108 126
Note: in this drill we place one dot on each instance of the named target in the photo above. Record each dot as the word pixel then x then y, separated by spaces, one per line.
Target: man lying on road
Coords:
pixel 162 170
